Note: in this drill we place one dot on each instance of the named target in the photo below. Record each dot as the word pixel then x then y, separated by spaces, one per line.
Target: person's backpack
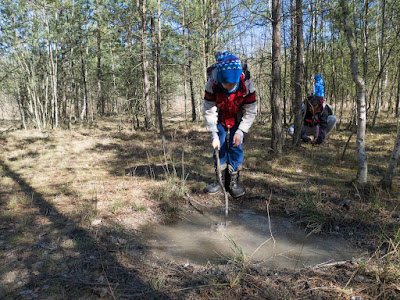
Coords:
pixel 330 109
pixel 245 71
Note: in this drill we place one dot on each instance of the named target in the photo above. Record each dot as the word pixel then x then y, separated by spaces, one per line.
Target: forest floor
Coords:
pixel 73 202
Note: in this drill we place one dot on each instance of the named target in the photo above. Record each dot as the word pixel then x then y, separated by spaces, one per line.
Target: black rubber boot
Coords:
pixel 215 187
pixel 234 188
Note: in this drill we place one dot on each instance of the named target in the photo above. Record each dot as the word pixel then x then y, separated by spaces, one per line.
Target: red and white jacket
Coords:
pixel 240 107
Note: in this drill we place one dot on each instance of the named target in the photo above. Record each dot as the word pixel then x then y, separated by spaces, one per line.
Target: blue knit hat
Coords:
pixel 229 68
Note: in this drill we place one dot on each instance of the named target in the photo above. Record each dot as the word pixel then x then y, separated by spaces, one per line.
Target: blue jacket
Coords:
pixel 319 86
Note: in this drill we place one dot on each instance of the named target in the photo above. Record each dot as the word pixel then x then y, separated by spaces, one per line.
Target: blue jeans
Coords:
pixel 227 153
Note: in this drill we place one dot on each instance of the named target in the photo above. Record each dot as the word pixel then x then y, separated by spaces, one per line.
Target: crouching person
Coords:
pixel 230 108
pixel 318 120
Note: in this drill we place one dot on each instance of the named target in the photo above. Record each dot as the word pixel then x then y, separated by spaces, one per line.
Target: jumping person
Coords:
pixel 229 107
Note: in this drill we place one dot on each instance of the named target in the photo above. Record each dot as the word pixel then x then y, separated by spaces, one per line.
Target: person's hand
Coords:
pixel 215 143
pixel 237 139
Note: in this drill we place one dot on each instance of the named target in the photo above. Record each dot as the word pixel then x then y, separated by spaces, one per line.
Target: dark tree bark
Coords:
pixel 193 100
pixel 184 60
pixel 143 38
pixel 64 71
pixel 398 92
pixel 100 98
pixel 158 84
pixel 299 74
pixel 276 106
pixel 284 76
pixel 388 177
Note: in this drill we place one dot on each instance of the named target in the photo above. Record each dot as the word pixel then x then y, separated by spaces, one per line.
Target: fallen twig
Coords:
pixel 190 200
pixel 269 219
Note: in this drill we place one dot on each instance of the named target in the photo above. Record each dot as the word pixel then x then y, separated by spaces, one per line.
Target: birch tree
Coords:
pixel 362 171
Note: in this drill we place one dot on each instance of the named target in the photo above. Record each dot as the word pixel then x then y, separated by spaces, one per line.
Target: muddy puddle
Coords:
pixel 201 238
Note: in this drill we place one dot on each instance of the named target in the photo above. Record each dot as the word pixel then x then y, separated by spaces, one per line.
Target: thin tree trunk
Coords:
pixel 398 92
pixel 53 68
pixel 362 172
pixel 64 69
pixel 143 39
pixel 285 74
pixel 365 34
pixel 100 98
pixel 184 60
pixel 75 90
pixel 388 176
pixel 293 42
pixel 158 106
pixel 299 74
pixel 20 108
pixel 205 40
pixel 191 85
pixel 84 112
pixel 276 106
pixel 343 94
pixel 115 107
pixel 154 59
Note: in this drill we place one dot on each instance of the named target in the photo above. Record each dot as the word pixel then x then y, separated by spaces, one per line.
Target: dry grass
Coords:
pixel 72 203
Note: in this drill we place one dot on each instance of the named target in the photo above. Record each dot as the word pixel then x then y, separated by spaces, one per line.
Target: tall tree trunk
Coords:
pixel 398 92
pixel 100 98
pixel 342 89
pixel 205 41
pixel 114 89
pixel 191 85
pixel 380 44
pixel 84 112
pixel 53 70
pixel 154 39
pixel 144 61
pixel 293 42
pixel 284 73
pixel 298 118
pixel 276 106
pixel 310 53
pixel 158 104
pixel 362 172
pixel 184 60
pixel 365 35
pixel 75 90
pixel 64 69
pixel 315 43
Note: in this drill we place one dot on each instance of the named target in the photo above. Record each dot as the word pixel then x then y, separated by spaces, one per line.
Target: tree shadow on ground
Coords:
pixel 71 276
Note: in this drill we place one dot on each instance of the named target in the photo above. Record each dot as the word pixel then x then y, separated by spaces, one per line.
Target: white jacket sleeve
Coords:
pixel 210 108
pixel 249 109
